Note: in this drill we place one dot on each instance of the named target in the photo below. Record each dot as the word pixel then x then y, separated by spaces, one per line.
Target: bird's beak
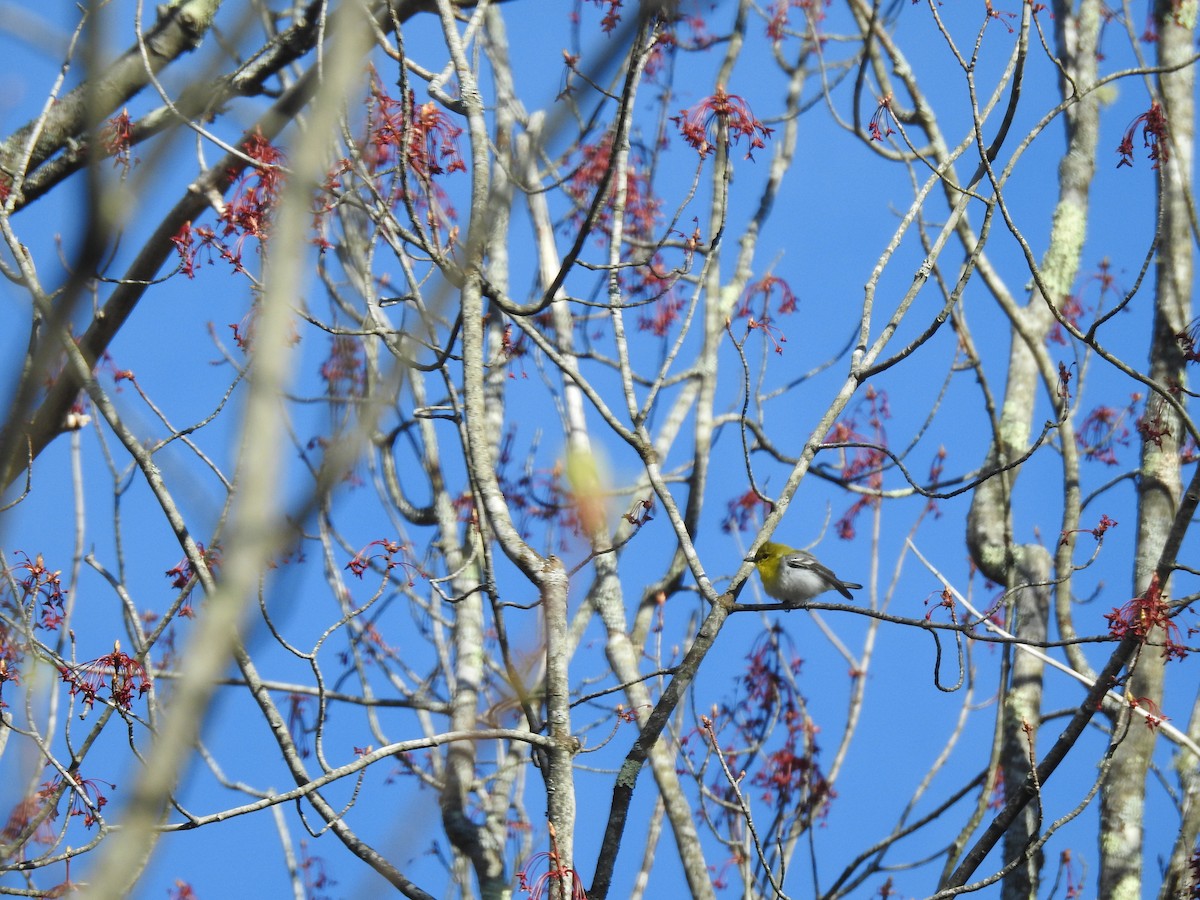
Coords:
pixel 748 559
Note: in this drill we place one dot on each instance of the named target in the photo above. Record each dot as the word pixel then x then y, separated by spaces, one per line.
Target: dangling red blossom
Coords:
pixel 1154 136
pixel 182 572
pixel 643 210
pixel 697 124
pixel 1141 615
pixel 87 797
pixel 612 17
pixel 344 370
pixel 425 134
pixel 765 289
pixel 391 550
pixel 742 512
pixel 880 125
pixel 185 247
pixel 41 584
pixel 117 670
pixel 1103 430
pixel 117 138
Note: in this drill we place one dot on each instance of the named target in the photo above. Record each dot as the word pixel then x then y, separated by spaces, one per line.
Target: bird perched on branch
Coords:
pixel 796 576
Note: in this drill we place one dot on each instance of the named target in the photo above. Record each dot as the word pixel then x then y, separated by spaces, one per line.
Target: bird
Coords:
pixel 796 576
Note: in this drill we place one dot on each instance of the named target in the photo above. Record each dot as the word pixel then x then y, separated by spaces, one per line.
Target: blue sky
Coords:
pixel 837 209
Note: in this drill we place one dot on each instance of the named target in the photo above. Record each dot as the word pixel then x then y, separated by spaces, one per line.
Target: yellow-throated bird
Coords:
pixel 795 576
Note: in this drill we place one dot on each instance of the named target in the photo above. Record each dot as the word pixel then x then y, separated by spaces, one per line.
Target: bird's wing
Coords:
pixel 802 560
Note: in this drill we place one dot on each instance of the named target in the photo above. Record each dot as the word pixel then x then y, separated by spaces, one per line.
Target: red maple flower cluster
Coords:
pixel 182 573
pixel 648 279
pixel 764 290
pixel 117 670
pixel 865 464
pixel 1142 615
pixel 778 11
pixel 643 209
pixel 425 135
pixel 247 214
pixel 87 798
pixel 789 774
pixel 741 513
pixel 42 585
pixel 1189 341
pixel 1103 430
pixel 344 370
pixel 1154 137
pixel 391 550
pixel 612 15
pixel 406 143
pixel 721 117
pixel 117 139
pixel 552 882
pixel 880 125
pixel 28 809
